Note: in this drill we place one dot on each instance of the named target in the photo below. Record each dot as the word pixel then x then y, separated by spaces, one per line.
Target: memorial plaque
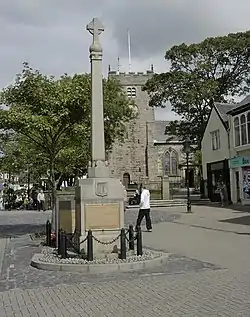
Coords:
pixel 65 205
pixel 102 216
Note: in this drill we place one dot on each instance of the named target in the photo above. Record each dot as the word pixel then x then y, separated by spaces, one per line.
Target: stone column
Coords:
pixel 99 198
pixel 98 167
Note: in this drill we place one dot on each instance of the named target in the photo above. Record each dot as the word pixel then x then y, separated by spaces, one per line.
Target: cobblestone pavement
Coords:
pixel 185 286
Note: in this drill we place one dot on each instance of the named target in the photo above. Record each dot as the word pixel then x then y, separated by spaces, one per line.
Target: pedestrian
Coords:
pixel 221 191
pixel 41 201
pixel 144 210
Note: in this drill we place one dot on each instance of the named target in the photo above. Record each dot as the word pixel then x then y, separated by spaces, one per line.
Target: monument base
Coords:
pixel 100 207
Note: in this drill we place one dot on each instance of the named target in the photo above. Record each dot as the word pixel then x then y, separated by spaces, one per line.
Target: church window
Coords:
pixel 167 164
pixel 171 163
pixel 131 92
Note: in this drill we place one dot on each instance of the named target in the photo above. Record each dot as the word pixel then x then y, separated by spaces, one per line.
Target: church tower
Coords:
pixel 129 160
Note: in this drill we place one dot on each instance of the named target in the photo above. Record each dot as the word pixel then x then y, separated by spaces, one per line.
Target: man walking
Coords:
pixel 41 201
pixel 144 209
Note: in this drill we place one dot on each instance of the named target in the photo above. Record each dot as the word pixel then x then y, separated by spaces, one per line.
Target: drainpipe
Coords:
pixel 229 153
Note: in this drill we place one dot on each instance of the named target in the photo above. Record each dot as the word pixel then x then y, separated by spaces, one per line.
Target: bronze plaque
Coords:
pixel 102 216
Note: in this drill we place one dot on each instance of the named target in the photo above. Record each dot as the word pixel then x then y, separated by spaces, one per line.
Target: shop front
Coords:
pixel 240 174
pixel 218 172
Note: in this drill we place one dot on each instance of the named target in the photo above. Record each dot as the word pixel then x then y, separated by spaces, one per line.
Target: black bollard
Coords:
pixel 63 244
pixel 123 244
pixel 77 240
pixel 131 238
pixel 90 246
pixel 139 241
pixel 48 233
pixel 59 241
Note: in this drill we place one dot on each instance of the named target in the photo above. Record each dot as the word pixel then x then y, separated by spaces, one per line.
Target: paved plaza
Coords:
pixel 208 272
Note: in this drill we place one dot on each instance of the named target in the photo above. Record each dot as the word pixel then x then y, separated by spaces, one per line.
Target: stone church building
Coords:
pixel 148 154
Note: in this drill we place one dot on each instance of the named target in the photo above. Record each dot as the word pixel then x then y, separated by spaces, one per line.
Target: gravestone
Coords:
pixel 99 198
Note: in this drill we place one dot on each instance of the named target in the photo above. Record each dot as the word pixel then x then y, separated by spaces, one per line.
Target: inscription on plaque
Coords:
pixel 102 216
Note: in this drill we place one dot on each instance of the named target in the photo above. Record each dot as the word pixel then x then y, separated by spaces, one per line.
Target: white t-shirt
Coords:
pixel 40 197
pixel 145 199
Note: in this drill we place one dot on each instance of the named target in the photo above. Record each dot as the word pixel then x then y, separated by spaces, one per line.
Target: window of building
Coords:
pixel 170 163
pixel 215 139
pixel 243 129
pixel 131 92
pixel 248 127
pixel 236 131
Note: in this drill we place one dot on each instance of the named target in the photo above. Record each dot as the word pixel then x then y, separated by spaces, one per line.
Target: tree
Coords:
pixel 53 117
pixel 217 69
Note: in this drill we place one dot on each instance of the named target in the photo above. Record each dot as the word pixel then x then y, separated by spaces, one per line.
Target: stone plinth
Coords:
pixel 100 207
pixel 66 210
pixel 165 188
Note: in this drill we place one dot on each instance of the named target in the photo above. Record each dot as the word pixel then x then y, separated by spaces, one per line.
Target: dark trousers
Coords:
pixel 144 213
pixel 41 205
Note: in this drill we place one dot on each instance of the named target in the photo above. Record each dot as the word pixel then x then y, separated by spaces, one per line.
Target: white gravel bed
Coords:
pixel 49 255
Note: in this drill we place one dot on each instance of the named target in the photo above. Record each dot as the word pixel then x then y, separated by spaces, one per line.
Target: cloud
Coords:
pixel 51 34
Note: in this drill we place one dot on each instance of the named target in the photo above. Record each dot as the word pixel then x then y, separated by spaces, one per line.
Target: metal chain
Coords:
pixel 134 238
pixel 84 240
pixel 106 243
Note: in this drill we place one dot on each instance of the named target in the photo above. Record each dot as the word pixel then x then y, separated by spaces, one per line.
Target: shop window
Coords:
pixel 236 132
pixel 243 129
pixel 215 135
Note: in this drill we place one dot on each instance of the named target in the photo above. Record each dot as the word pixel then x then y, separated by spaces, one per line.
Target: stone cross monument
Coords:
pixel 99 198
pixel 97 166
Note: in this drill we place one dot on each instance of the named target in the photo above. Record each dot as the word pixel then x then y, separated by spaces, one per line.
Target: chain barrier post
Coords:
pixel 48 233
pixel 139 241
pixel 63 245
pixel 90 246
pixel 77 240
pixel 123 244
pixel 131 238
pixel 59 241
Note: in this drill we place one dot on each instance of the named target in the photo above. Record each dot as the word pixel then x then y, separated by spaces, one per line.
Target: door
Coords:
pixel 126 180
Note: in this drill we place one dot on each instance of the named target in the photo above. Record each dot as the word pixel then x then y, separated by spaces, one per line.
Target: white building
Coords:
pixel 239 119
pixel 226 151
pixel 216 151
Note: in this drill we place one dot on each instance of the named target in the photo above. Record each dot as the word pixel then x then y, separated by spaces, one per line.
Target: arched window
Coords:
pixel 236 132
pixel 248 127
pixel 131 92
pixel 174 162
pixel 170 163
pixel 167 164
pixel 243 129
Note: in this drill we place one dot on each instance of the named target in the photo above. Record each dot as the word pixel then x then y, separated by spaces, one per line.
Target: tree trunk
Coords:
pixel 53 197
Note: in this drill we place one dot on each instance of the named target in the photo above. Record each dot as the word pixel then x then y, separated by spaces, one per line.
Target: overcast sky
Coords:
pixel 51 34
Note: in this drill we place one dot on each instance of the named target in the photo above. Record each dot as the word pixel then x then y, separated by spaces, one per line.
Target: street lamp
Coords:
pixel 187 150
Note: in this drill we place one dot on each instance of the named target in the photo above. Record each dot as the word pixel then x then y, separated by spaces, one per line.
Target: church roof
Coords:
pixel 160 136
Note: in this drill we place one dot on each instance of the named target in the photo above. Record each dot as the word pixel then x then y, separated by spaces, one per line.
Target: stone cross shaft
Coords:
pixel 95 28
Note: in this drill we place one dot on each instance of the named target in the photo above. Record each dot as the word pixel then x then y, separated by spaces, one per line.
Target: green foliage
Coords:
pixel 200 74
pixel 52 118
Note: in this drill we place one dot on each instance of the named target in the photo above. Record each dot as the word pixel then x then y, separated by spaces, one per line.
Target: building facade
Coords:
pixel 216 151
pixel 148 153
pixel 239 118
